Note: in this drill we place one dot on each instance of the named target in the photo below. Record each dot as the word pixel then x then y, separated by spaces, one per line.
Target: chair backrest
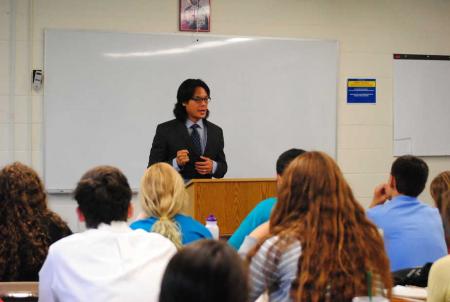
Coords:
pixel 19 291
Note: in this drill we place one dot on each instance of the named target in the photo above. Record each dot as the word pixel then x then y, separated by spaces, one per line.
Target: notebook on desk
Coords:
pixel 410 293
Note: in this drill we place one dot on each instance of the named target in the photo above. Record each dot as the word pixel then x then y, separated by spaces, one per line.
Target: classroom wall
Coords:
pixel 368 31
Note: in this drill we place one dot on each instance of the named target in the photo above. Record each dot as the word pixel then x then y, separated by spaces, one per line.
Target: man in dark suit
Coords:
pixel 190 143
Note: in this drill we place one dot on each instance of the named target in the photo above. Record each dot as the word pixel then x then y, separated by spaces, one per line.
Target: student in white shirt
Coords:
pixel 108 262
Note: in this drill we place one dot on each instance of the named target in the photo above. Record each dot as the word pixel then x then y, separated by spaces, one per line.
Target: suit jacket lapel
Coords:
pixel 208 136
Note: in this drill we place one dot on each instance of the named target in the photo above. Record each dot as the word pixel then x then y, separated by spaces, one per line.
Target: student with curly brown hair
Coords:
pixel 319 244
pixel 27 226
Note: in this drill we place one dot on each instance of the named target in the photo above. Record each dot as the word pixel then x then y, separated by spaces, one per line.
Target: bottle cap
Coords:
pixel 211 218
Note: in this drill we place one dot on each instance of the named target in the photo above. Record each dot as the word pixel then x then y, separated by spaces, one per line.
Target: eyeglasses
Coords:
pixel 199 99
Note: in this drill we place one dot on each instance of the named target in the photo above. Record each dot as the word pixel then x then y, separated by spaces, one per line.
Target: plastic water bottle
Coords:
pixel 211 225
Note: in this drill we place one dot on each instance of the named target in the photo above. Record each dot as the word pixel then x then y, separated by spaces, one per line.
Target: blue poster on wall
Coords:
pixel 361 91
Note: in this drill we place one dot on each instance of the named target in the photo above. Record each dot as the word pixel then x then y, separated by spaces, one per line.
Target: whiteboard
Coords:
pixel 106 92
pixel 421 107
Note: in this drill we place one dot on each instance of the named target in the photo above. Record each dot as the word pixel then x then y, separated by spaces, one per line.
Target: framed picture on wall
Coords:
pixel 195 15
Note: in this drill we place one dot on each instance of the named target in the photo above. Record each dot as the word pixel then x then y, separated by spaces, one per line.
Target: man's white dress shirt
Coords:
pixel 110 263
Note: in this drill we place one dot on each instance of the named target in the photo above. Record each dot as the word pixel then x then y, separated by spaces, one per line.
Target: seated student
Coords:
pixel 413 232
pixel 108 262
pixel 261 213
pixel 163 197
pixel 27 226
pixel 205 271
pixel 319 245
pixel 439 186
pixel 439 277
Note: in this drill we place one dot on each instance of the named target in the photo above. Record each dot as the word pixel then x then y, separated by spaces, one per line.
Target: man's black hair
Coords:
pixel 286 157
pixel 184 94
pixel 410 174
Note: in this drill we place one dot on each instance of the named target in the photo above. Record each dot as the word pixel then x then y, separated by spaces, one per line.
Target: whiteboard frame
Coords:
pixel 193 36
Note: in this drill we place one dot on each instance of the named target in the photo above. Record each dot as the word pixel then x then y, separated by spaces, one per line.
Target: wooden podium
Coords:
pixel 230 200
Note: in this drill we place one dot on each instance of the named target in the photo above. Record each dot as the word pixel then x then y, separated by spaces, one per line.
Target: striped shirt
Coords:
pixel 265 275
pixel 276 279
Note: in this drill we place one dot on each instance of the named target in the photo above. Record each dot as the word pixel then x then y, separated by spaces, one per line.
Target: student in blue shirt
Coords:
pixel 261 213
pixel 163 196
pixel 413 231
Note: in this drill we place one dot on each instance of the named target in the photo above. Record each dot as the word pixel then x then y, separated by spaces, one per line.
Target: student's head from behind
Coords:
pixel 285 159
pixel 163 196
pixel 316 206
pixel 408 175
pixel 207 270
pixel 192 100
pixel 24 221
pixel 312 182
pixel 103 195
pixel 21 189
pixel 438 187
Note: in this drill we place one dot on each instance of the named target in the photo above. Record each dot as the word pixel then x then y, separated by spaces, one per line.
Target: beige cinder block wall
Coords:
pixel 369 32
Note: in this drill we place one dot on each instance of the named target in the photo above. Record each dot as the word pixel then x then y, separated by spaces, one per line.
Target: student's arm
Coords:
pixel 259 277
pixel 253 238
pixel 270 269
pixel 244 229
pixel 380 195
pixel 220 166
pixel 257 216
pixel 262 271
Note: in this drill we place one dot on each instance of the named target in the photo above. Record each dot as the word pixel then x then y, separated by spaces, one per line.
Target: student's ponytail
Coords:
pixel 162 197
pixel 169 229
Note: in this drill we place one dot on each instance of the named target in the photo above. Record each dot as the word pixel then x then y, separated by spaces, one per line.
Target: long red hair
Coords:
pixel 339 244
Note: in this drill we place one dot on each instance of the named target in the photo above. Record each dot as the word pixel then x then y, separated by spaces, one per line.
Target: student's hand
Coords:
pixel 261 231
pixel 204 166
pixel 182 157
pixel 380 195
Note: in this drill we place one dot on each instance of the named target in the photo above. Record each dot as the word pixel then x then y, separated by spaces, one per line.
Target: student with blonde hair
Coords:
pixel 163 198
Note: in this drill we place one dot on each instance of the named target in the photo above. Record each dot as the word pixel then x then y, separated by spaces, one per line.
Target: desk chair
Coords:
pixel 19 291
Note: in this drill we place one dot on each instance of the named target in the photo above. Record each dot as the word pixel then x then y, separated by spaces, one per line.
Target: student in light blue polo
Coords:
pixel 261 213
pixel 413 231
